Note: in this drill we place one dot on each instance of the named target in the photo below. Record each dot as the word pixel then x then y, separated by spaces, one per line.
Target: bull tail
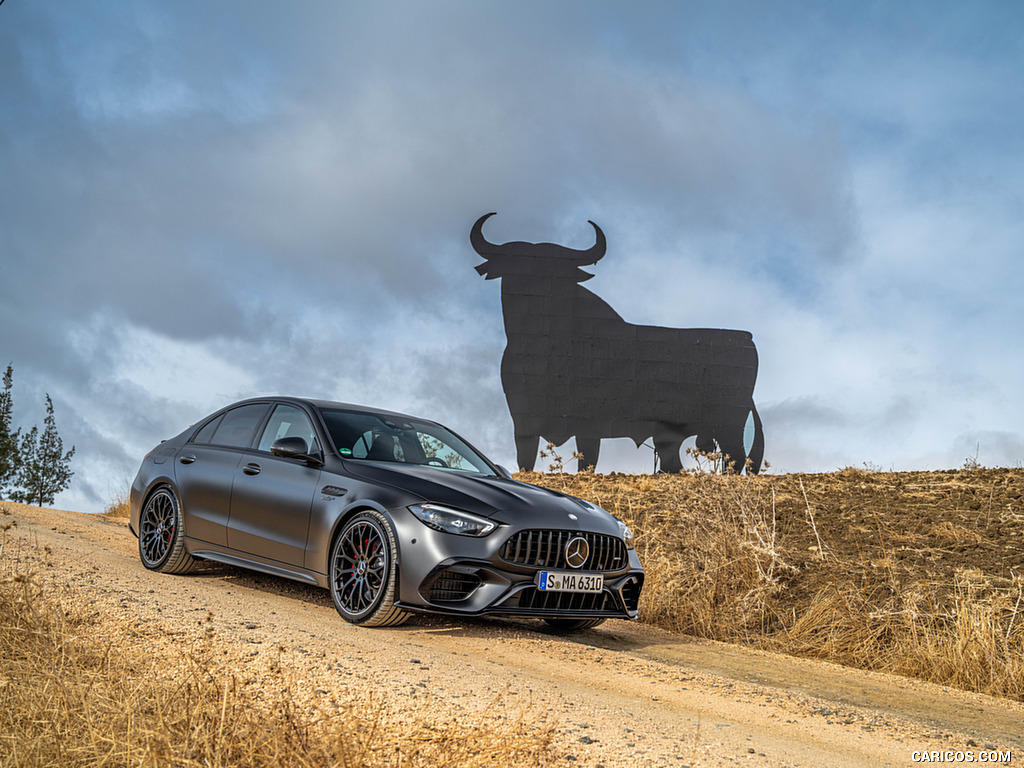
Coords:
pixel 756 454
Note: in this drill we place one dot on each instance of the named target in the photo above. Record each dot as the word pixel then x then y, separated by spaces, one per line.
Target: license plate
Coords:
pixel 553 581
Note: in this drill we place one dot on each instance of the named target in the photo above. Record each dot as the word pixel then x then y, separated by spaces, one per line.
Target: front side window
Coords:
pixel 437 449
pixel 376 437
pixel 288 421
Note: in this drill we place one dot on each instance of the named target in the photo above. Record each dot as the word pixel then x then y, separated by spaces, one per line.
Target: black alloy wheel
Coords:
pixel 362 572
pixel 161 538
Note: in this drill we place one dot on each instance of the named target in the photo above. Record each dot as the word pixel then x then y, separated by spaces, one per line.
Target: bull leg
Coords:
pixel 668 455
pixel 526 451
pixel 734 456
pixel 706 443
pixel 590 450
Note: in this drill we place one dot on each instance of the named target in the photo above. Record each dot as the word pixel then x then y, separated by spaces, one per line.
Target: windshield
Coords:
pixel 373 437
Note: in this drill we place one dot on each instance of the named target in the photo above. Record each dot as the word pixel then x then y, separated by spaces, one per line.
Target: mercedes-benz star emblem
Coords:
pixel 572 516
pixel 576 552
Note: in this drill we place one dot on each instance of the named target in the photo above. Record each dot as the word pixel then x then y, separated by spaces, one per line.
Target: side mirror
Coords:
pixel 293 448
pixel 502 472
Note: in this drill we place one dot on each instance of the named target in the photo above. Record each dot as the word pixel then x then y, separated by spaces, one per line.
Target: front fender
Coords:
pixel 330 512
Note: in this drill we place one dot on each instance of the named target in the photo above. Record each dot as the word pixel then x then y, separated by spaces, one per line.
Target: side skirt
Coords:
pixel 201 550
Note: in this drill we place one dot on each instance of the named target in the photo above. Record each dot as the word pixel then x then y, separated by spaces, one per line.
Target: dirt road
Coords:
pixel 623 694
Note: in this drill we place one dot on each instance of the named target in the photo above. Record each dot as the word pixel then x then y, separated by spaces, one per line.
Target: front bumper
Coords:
pixel 461 575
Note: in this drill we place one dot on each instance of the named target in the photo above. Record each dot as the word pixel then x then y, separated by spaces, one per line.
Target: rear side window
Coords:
pixel 205 434
pixel 238 426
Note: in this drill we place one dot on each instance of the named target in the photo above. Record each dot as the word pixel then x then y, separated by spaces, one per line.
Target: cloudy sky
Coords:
pixel 204 201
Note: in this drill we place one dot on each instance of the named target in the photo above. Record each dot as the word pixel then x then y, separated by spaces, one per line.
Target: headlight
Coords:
pixel 452 520
pixel 627 533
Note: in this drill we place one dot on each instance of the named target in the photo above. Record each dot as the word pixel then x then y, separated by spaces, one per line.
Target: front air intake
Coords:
pixel 452 587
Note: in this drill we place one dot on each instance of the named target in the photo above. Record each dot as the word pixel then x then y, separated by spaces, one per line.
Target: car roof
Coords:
pixel 328 404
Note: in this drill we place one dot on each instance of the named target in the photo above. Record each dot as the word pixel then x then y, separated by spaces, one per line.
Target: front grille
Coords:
pixel 452 587
pixel 546 549
pixel 535 599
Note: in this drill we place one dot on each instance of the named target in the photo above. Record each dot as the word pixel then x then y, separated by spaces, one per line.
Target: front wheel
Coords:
pixel 363 576
pixel 162 535
pixel 572 625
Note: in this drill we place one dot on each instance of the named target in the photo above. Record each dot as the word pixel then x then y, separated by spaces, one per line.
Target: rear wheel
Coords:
pixel 162 535
pixel 363 576
pixel 572 625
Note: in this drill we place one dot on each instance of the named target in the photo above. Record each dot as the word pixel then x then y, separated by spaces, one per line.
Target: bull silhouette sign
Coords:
pixel 574 367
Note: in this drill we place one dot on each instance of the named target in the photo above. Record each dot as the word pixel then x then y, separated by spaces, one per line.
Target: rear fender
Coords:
pixel 139 495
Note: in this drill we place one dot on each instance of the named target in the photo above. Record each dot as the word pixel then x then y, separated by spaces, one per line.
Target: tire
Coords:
pixel 362 574
pixel 162 534
pixel 572 625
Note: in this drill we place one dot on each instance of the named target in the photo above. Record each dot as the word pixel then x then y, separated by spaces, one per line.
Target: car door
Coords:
pixel 272 496
pixel 206 469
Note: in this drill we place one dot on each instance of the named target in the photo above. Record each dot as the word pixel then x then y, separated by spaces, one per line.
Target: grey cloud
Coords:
pixel 808 411
pixel 336 179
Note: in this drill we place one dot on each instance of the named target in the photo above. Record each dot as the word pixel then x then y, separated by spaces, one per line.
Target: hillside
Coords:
pixel 916 573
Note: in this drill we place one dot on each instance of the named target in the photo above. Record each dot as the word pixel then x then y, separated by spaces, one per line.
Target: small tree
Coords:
pixel 9 449
pixel 44 469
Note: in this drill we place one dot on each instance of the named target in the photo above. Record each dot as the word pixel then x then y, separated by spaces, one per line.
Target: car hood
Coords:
pixel 497 498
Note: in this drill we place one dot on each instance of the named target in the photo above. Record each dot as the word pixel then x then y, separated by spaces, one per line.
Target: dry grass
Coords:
pixel 873 570
pixel 118 507
pixel 970 640
pixel 77 690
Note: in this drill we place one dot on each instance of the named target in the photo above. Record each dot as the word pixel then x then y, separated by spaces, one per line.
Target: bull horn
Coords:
pixel 599 248
pixel 479 242
pixel 591 255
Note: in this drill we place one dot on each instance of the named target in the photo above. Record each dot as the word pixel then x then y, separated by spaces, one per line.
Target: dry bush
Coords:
pixel 69 697
pixel 713 568
pixel 708 543
pixel 118 507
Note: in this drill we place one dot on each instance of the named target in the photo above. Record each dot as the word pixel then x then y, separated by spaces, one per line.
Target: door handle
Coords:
pixel 187 459
pixel 251 469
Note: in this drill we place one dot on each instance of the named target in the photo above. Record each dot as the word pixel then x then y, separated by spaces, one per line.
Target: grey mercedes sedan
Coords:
pixel 392 514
